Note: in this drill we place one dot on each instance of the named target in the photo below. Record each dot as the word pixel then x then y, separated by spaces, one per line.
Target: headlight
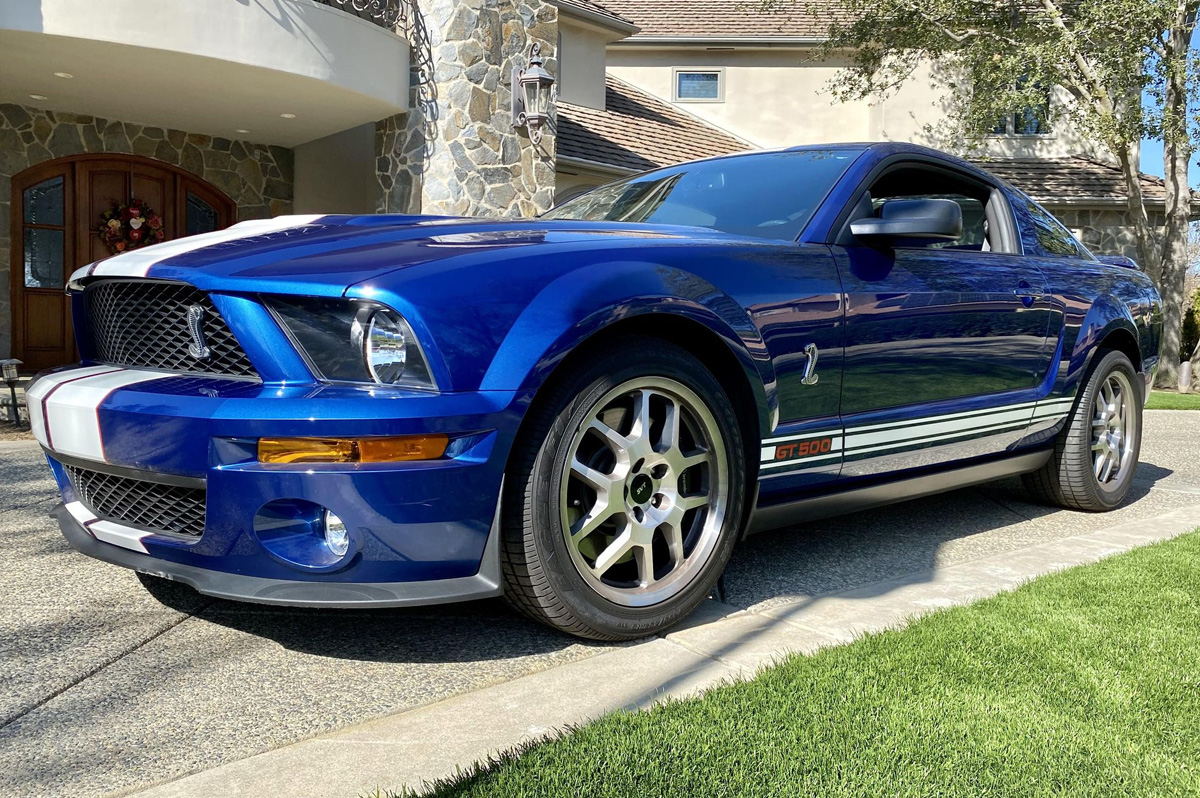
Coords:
pixel 346 341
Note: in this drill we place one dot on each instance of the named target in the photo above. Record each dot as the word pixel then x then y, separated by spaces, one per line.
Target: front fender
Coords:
pixel 581 303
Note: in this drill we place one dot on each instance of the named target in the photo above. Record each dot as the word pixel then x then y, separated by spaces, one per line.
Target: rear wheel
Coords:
pixel 1096 454
pixel 625 493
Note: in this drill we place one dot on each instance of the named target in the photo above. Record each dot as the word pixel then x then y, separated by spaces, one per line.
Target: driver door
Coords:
pixel 944 341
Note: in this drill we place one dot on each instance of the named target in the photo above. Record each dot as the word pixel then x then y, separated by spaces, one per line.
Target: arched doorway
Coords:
pixel 56 212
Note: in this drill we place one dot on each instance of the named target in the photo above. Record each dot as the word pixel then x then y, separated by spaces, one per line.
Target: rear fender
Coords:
pixel 1106 315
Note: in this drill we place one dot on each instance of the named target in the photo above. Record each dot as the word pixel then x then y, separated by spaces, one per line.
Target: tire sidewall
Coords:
pixel 1081 428
pixel 588 387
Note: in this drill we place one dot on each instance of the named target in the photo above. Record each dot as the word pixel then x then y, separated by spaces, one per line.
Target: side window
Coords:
pixel 987 225
pixel 1049 235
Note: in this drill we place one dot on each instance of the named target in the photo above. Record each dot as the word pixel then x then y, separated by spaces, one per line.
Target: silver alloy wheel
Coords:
pixel 1114 429
pixel 644 491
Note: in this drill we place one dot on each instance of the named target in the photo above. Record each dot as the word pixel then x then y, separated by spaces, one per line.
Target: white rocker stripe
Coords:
pixel 139 262
pixel 912 422
pixel 107 531
pixel 875 438
pixel 1008 425
pixel 955 426
pixel 69 422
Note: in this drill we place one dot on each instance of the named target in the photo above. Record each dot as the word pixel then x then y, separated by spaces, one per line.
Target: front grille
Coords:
pixel 135 502
pixel 144 324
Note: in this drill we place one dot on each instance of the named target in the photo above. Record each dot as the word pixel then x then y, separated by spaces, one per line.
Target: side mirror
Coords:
pixel 934 219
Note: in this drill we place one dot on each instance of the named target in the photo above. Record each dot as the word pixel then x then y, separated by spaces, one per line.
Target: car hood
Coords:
pixel 327 255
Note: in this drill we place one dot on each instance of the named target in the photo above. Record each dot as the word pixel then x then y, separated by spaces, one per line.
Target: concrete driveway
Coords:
pixel 108 688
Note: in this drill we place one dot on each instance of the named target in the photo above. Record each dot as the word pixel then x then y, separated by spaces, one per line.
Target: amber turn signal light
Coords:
pixel 352 450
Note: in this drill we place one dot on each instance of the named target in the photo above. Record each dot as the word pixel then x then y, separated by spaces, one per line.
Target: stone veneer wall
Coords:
pixel 257 177
pixel 456 151
pixel 1105 231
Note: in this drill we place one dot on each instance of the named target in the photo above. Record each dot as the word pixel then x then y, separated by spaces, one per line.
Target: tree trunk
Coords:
pixel 1177 155
pixel 1147 255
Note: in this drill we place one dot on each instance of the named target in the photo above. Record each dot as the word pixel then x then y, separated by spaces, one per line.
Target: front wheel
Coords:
pixel 625 495
pixel 1096 454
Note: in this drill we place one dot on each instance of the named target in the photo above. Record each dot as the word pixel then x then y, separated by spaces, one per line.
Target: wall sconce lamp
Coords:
pixel 531 95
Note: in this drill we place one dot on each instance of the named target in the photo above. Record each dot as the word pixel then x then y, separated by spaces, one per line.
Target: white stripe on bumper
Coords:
pixel 107 531
pixel 67 403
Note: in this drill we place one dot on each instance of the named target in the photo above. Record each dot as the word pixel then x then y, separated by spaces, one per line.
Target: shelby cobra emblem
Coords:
pixel 198 348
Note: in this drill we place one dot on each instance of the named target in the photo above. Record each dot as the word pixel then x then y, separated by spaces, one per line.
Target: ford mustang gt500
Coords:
pixel 585 412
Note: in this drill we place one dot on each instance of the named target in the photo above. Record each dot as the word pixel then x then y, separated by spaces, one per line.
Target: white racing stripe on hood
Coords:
pixel 139 262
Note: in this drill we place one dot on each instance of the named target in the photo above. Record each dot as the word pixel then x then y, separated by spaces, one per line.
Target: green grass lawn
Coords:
pixel 1169 400
pixel 1085 683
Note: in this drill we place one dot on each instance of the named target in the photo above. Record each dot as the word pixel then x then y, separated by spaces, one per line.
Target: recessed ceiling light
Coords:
pixel 241 130
pixel 66 75
pixel 288 116
pixel 38 97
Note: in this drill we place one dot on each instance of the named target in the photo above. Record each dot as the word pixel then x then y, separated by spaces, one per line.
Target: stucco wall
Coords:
pixel 777 98
pixel 257 177
pixel 581 62
pixel 336 174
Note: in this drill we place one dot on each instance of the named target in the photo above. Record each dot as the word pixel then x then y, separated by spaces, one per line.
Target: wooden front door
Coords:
pixel 56 212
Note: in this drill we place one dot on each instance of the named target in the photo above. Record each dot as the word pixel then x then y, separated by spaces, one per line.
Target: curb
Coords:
pixel 718 644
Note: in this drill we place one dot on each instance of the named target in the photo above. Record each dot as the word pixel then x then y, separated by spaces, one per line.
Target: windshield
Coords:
pixel 767 195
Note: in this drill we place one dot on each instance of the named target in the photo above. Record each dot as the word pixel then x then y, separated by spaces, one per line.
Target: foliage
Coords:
pixel 1080 683
pixel 1124 69
pixel 1191 334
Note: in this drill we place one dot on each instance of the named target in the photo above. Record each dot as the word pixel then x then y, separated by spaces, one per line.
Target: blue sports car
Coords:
pixel 586 412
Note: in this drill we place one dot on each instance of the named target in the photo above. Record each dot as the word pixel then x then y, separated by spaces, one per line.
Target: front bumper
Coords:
pixel 423 532
pixel 261 590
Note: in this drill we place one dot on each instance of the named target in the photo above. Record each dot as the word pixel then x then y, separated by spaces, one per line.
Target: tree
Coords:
pixel 1125 65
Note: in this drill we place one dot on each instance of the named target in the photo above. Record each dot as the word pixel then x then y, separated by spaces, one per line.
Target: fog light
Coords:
pixel 336 536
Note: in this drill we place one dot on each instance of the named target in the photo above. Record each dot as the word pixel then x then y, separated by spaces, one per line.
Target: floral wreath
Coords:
pixel 130 226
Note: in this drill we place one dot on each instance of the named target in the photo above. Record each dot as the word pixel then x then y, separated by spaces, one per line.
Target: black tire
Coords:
pixel 1068 479
pixel 540 578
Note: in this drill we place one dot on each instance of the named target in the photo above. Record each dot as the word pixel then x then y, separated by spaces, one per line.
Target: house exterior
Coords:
pixel 753 76
pixel 207 112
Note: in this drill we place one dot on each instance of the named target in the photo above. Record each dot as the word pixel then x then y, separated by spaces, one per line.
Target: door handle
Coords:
pixel 1026 291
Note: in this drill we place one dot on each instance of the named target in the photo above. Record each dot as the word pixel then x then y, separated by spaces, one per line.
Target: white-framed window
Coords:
pixel 699 85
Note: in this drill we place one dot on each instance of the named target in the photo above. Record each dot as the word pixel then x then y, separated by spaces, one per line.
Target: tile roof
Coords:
pixel 1054 180
pixel 638 131
pixel 721 19
pixel 595 8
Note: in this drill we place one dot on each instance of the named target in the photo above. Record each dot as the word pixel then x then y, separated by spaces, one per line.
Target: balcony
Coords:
pixel 384 13
pixel 287 71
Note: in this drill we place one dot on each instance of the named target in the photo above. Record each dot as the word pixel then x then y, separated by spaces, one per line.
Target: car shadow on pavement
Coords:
pixel 784 567
pixel 464 632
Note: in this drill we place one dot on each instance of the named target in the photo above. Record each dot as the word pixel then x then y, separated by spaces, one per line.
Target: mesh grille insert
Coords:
pixel 136 502
pixel 144 324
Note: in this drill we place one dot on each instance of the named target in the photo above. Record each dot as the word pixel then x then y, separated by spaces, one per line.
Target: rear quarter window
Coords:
pixel 1042 234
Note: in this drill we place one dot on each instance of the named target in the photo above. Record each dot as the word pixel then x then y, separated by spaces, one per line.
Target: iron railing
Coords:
pixel 385 13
